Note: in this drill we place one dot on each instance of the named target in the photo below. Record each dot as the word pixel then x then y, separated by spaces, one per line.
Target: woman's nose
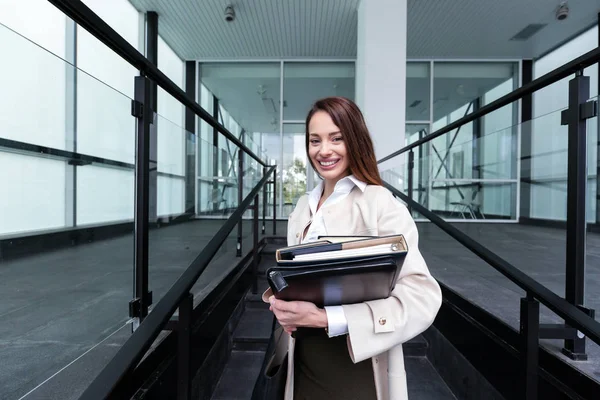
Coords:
pixel 325 149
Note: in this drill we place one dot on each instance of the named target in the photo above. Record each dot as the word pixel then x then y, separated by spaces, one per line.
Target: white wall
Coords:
pixel 381 73
pixel 32 101
pixel 549 138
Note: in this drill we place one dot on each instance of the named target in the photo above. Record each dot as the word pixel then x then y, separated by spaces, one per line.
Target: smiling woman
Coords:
pixel 338 142
pixel 328 357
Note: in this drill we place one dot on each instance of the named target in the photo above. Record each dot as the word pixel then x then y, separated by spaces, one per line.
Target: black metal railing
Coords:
pixel 575 317
pixel 571 308
pixel 143 108
pixel 87 19
pixel 123 363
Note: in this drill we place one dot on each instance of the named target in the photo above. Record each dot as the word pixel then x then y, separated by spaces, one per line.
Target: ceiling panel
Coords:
pixel 196 29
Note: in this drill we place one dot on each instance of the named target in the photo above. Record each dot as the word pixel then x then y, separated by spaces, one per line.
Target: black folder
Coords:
pixel 338 270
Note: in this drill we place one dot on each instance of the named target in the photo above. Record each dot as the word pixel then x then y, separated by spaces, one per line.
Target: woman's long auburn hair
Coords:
pixel 346 115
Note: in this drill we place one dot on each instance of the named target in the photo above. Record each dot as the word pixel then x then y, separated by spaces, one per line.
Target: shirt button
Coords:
pixel 297 234
pixel 382 321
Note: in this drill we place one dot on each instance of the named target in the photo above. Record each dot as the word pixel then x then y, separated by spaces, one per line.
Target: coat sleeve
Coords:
pixel 376 326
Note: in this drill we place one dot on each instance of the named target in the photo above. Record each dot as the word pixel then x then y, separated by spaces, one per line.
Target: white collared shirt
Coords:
pixel 338 325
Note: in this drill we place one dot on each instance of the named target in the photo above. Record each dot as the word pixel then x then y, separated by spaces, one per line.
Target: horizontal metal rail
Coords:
pixel 140 341
pixel 589 58
pixel 87 19
pixel 571 314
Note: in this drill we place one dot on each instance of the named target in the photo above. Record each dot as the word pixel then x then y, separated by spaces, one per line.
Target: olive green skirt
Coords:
pixel 323 369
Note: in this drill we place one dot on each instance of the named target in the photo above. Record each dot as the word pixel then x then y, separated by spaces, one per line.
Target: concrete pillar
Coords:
pixel 381 73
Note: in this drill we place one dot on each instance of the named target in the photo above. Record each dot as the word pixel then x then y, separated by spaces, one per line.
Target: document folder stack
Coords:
pixel 338 270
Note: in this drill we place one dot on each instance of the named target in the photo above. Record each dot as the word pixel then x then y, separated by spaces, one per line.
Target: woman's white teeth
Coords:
pixel 327 164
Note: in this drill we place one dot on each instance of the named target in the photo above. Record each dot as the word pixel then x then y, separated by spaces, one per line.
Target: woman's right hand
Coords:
pixel 294 314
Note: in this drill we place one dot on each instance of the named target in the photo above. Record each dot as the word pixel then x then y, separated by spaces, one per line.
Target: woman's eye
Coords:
pixel 337 139
pixel 314 142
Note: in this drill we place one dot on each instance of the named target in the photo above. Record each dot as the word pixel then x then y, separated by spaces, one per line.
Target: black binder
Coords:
pixel 338 270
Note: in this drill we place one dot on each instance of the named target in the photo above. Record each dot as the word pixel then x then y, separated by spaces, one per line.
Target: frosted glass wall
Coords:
pixel 33 111
pixel 80 101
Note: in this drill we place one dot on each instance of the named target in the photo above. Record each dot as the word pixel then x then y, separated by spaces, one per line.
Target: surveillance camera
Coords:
pixel 229 13
pixel 562 12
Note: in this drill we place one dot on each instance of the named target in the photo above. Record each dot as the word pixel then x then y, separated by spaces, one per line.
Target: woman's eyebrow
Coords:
pixel 329 134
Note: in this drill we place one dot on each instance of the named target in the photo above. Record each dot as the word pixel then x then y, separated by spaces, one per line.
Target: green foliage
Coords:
pixel 294 181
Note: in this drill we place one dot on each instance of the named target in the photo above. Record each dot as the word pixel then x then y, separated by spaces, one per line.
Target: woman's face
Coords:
pixel 326 147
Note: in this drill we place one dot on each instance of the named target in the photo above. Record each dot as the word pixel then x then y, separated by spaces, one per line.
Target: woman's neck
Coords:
pixel 328 188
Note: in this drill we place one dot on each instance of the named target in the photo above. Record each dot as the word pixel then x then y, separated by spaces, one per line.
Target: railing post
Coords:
pixel 529 330
pixel 264 211
pixel 255 247
pixel 274 202
pixel 579 110
pixel 240 199
pixel 184 345
pixel 141 109
pixel 411 167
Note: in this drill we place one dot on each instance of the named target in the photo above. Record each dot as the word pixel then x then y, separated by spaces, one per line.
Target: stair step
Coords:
pixel 415 347
pixel 424 382
pixel 271 248
pixel 254 326
pixel 239 376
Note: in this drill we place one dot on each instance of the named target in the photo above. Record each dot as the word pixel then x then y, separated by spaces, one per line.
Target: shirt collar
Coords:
pixel 345 184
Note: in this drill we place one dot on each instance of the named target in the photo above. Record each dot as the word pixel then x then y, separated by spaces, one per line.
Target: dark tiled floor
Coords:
pixel 538 252
pixel 57 306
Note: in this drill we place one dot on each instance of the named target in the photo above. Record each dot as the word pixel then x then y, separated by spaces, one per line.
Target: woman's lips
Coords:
pixel 329 164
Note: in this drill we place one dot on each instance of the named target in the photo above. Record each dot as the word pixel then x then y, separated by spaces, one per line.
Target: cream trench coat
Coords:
pixel 376 329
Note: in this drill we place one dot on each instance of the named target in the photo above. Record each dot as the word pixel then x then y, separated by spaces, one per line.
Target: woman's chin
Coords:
pixel 332 174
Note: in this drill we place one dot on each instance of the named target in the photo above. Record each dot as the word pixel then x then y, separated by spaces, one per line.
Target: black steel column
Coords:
pixel 152 56
pixel 529 330
pixel 240 199
pixel 190 150
pixel 264 210
pixel 579 110
pixel 477 155
pixel 152 48
pixel 142 110
pixel 215 189
pixel 275 202
pixel 255 247
pixel 184 344
pixel 526 143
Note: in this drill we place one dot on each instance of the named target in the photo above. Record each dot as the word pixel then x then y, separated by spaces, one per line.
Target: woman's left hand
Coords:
pixel 294 314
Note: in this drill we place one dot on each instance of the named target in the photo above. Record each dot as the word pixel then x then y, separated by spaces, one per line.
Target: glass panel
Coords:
pixel 249 101
pixel 295 162
pixel 65 295
pixel 22 77
pixel 462 87
pixel 304 83
pixel 248 91
pixel 175 245
pixel 418 91
pixel 546 178
pixel 217 179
